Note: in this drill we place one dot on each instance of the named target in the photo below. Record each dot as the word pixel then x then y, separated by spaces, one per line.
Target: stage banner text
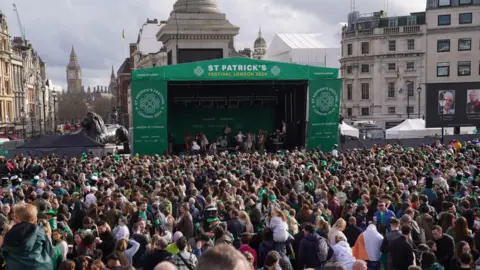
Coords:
pixel 323 113
pixel 149 109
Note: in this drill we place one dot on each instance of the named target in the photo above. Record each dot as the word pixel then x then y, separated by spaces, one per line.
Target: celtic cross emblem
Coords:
pixel 199 71
pixel 325 101
pixel 275 70
pixel 149 103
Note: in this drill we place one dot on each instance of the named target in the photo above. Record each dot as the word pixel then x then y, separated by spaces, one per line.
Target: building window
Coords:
pixel 443 69
pixel 410 110
pixel 365 68
pixel 464 68
pixel 365 47
pixel 7 88
pixel 392 45
pixel 465 18
pixel 410 65
pixel 391 66
pixel 464 44
pixel 392 22
pixel 349 49
pixel 349 69
pixel 365 111
pixel 443 45
pixel 411 44
pixel 349 111
pixel 410 89
pixel 444 19
pixel 391 110
pixel 365 91
pixel 411 20
pixel 444 3
pixel 349 91
pixel 465 2
pixel 391 90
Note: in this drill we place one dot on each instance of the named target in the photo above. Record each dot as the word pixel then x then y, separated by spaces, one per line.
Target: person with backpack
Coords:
pixel 314 250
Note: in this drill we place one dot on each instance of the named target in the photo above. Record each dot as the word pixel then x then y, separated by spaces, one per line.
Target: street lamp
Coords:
pixel 407 84
pixel 54 94
pixel 22 116
pixel 419 90
pixel 44 89
pixel 442 102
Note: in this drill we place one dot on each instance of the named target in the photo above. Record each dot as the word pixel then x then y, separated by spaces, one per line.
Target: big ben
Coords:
pixel 74 73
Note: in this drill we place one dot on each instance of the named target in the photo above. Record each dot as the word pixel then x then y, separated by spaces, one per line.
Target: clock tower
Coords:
pixel 74 73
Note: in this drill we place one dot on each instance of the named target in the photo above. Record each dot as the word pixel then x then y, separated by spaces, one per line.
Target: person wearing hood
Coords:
pixel 367 247
pixel 26 246
pixel 342 253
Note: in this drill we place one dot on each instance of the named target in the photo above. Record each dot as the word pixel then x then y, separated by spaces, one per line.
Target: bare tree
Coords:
pixel 72 107
pixel 103 107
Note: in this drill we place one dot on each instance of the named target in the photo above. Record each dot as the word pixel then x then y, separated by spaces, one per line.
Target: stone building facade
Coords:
pixel 383 68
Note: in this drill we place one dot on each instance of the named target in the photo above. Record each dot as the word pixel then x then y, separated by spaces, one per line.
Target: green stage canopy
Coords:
pixel 150 91
pixel 235 69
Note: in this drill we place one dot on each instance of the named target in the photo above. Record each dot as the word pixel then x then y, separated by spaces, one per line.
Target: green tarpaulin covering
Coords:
pixel 149 96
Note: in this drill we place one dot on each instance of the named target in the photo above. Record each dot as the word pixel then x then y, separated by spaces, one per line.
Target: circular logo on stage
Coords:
pixel 149 103
pixel 324 101
pixel 275 70
pixel 199 71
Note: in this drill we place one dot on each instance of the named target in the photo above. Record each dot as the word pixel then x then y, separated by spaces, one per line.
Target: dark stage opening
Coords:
pixel 247 106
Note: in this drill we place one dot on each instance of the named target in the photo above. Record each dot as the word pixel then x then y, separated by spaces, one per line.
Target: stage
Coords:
pixel 249 95
pixel 247 106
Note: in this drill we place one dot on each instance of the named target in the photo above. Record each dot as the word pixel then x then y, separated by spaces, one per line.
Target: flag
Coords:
pixel 123 34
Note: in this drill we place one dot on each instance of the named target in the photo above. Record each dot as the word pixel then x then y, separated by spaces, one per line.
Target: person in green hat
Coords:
pixel 51 215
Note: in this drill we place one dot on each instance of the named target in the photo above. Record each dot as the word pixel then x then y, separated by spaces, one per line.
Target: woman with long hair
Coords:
pixel 126 254
pixel 243 216
pixel 279 226
pixel 462 233
pixel 447 223
pixel 59 241
pixel 337 231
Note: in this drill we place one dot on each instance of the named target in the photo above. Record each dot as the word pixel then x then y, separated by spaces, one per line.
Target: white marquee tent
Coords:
pixel 415 128
pixel 305 49
pixel 348 130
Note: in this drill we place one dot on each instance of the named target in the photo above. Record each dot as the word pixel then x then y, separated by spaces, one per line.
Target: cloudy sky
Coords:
pixel 95 27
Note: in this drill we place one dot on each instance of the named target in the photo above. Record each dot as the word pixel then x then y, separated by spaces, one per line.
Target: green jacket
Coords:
pixel 26 246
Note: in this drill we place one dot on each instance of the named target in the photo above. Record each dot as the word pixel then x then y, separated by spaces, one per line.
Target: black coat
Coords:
pixel 445 250
pixel 236 227
pixel 352 232
pixel 307 253
pixel 108 243
pixel 403 257
pixel 143 241
pixel 152 259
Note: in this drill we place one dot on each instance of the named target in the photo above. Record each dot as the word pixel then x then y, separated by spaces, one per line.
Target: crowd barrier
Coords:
pixel 412 142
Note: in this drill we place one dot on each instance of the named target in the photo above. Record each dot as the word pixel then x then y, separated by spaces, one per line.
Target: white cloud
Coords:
pixel 95 27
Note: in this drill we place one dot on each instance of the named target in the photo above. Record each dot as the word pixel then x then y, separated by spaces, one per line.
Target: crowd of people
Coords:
pixel 386 207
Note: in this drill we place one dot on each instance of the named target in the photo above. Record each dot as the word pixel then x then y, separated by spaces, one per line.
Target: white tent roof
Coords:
pixel 348 130
pixel 306 49
pixel 302 41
